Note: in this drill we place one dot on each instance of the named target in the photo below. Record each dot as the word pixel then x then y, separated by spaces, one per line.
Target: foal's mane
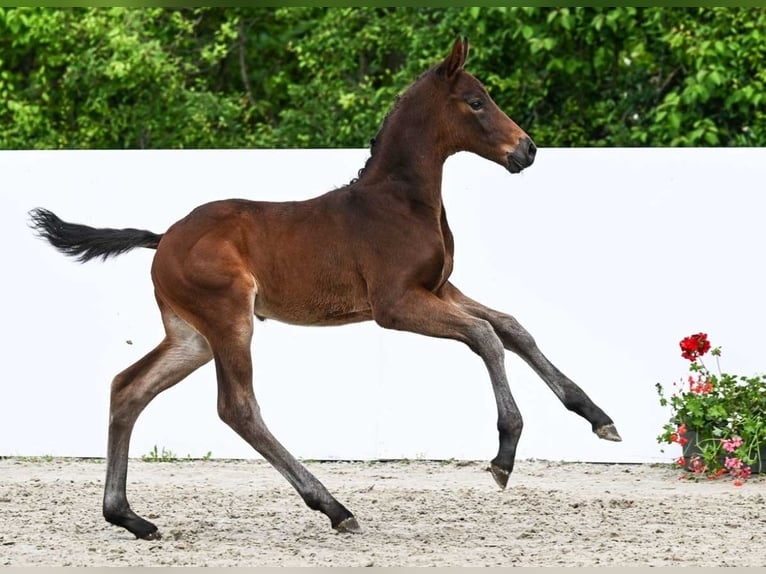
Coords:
pixel 376 139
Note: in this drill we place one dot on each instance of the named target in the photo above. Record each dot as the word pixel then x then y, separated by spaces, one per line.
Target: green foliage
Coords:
pixel 167 455
pixel 156 455
pixel 325 77
pixel 715 93
pixel 31 459
pixel 114 78
pixel 733 405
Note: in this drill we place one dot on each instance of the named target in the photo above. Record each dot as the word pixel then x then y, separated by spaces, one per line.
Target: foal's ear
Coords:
pixel 456 60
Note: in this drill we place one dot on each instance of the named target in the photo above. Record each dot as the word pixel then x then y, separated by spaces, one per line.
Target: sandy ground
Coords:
pixel 413 513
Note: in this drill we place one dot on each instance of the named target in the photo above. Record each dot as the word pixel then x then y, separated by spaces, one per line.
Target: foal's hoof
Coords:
pixel 154 535
pixel 608 432
pixel 500 475
pixel 349 525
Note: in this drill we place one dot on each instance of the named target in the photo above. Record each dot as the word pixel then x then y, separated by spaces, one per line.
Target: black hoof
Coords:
pixel 134 524
pixel 349 525
pixel 154 535
pixel 500 475
pixel 608 432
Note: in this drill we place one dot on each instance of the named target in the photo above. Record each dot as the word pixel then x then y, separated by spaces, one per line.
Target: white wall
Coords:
pixel 608 256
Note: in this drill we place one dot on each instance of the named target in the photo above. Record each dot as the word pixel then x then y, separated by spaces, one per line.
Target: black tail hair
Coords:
pixel 85 242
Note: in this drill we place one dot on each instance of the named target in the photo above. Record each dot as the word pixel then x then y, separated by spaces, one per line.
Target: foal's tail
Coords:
pixel 85 242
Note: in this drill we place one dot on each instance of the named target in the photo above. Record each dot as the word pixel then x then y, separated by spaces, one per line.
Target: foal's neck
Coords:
pixel 408 154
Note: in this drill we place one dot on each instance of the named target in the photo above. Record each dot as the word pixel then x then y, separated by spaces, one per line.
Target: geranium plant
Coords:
pixel 719 420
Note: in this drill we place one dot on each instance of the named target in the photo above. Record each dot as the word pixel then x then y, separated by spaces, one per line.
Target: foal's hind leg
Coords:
pixel 229 329
pixel 181 352
pixel 517 339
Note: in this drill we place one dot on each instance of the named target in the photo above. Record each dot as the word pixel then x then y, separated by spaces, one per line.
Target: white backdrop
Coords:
pixel 608 256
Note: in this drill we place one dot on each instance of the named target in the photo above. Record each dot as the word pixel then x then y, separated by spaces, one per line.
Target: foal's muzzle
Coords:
pixel 523 156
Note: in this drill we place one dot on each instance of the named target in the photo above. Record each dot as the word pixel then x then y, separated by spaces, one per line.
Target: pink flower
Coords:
pixel 741 472
pixel 697 465
pixel 737 469
pixel 732 444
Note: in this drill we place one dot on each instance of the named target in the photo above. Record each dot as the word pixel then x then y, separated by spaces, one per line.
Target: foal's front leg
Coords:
pixel 420 311
pixel 517 339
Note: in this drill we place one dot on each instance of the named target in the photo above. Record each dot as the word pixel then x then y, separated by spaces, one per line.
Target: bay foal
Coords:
pixel 379 248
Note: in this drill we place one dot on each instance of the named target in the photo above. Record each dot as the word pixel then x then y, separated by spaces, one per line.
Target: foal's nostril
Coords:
pixel 531 151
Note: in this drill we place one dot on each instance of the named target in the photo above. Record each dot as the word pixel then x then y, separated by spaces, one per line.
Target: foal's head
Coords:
pixel 470 120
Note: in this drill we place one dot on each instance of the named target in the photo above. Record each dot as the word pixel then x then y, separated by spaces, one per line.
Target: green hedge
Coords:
pixel 325 77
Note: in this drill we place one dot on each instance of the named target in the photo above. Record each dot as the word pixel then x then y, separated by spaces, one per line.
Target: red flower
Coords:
pixel 700 385
pixel 681 461
pixel 694 346
pixel 678 436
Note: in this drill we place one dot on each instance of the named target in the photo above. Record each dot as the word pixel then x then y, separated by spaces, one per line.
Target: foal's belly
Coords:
pixel 312 303
pixel 311 314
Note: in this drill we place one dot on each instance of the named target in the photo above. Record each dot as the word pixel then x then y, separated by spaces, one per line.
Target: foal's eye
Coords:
pixel 476 105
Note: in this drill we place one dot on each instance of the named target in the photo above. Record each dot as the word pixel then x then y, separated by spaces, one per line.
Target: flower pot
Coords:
pixel 692 449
